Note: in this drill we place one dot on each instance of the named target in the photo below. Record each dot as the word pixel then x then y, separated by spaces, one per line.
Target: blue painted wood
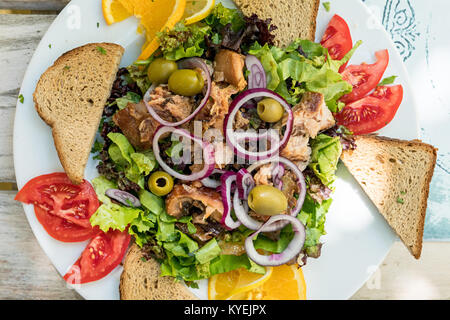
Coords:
pixel 418 29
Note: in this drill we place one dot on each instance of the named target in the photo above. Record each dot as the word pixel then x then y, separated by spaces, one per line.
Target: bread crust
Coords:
pixel 418 144
pixel 140 280
pixel 113 54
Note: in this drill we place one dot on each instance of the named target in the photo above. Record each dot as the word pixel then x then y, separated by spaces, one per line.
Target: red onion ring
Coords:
pixel 292 250
pixel 208 154
pixel 277 175
pixel 231 136
pixel 257 77
pixel 189 63
pixel 245 183
pixel 300 179
pixel 211 183
pixel 227 181
pixel 125 198
pixel 241 209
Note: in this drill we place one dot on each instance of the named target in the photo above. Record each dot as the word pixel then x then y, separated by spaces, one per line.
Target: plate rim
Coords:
pixel 407 83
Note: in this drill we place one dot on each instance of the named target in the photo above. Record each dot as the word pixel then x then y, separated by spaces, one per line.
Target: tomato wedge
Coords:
pixel 337 39
pixel 365 77
pixel 71 206
pixel 63 230
pixel 104 253
pixel 373 112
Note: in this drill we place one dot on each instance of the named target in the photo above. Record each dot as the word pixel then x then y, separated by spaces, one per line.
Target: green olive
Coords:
pixel 186 82
pixel 160 70
pixel 160 183
pixel 270 110
pixel 267 200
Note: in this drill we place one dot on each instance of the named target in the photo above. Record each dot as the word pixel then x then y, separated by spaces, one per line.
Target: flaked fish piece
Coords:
pixel 187 200
pixel 229 67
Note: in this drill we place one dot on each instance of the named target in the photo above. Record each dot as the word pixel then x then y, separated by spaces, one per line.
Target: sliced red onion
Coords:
pixel 189 63
pixel 300 179
pixel 277 175
pixel 233 139
pixel 208 154
pixel 227 181
pixel 125 198
pixel 241 207
pixel 292 250
pixel 211 183
pixel 257 77
pixel 245 183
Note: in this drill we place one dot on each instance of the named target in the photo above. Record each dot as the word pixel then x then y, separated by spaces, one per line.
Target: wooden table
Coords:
pixel 25 271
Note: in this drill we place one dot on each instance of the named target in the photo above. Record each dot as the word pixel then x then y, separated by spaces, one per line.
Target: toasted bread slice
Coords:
pixel 70 97
pixel 141 280
pixel 294 19
pixel 396 175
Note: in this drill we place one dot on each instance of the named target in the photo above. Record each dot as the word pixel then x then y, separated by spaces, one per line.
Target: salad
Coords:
pixel 219 151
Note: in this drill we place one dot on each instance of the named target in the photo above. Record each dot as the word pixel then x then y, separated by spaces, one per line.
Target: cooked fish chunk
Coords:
pixel 297 149
pixel 229 67
pixel 137 125
pixel 187 200
pixel 214 113
pixel 264 175
pixel 169 106
pixel 312 115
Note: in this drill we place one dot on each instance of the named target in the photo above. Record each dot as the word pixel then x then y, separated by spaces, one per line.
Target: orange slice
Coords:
pixel 225 285
pixel 285 283
pixel 114 11
pixel 159 20
pixel 155 15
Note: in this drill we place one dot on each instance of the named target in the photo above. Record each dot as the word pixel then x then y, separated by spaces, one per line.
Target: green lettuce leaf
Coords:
pixel 125 147
pixel 222 16
pixel 145 162
pixel 115 217
pixel 151 202
pixel 326 152
pixel 136 165
pixel 265 55
pixel 138 74
pixel 208 252
pixel 130 97
pixel 183 41
pixel 313 216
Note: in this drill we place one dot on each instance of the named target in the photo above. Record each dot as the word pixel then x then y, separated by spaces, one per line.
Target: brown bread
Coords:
pixel 294 18
pixel 396 175
pixel 140 280
pixel 70 97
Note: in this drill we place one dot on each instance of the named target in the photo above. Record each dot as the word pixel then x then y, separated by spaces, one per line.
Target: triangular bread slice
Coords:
pixel 141 280
pixel 294 18
pixel 70 97
pixel 396 175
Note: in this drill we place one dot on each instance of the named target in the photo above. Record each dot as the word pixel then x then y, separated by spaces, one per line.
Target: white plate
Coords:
pixel 358 238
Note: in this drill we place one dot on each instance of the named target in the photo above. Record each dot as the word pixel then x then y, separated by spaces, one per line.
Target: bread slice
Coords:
pixel 70 97
pixel 141 280
pixel 294 18
pixel 396 175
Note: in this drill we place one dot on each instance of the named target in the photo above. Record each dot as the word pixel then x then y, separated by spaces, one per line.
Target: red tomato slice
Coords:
pixel 63 230
pixel 62 208
pixel 56 194
pixel 337 39
pixel 365 77
pixel 373 112
pixel 101 256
